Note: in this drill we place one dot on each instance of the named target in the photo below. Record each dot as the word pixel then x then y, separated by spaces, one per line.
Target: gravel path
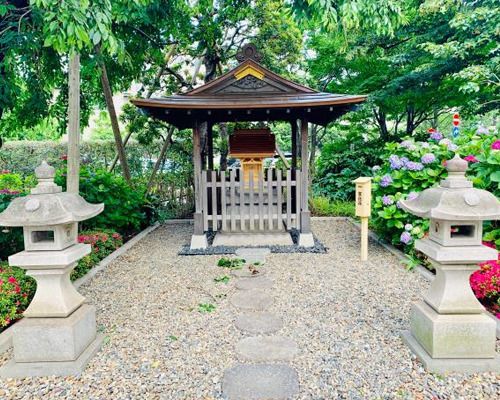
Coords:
pixel 345 316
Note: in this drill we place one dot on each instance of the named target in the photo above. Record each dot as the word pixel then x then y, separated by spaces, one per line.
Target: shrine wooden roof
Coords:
pixel 249 92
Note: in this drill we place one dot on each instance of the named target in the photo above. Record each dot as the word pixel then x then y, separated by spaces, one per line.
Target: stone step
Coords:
pixel 259 282
pixel 258 322
pixel 253 255
pixel 267 349
pixel 260 381
pixel 254 299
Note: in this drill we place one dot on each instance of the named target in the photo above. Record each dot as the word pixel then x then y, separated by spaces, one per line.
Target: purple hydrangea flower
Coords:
pixel 398 204
pixel 428 158
pixel 387 200
pixel 395 162
pixel 414 166
pixel 436 135
pixel 452 147
pixel 408 227
pixel 405 238
pixel 412 196
pixel 385 181
pixel 425 145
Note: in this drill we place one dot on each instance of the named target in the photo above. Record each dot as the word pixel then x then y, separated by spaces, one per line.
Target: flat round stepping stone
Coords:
pixel 253 255
pixel 267 348
pixel 254 299
pixel 259 282
pixel 245 272
pixel 259 322
pixel 260 381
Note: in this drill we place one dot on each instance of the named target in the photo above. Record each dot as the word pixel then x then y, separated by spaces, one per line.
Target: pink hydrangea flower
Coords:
pixel 495 145
pixel 471 158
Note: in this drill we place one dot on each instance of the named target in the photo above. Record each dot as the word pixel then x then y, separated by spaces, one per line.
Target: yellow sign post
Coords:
pixel 363 210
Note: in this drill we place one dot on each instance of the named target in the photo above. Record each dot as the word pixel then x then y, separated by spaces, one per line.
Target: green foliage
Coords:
pixel 10 182
pixel 323 206
pixel 222 279
pixel 231 263
pixel 11 239
pixel 16 291
pixel 124 206
pixel 341 161
pixel 206 308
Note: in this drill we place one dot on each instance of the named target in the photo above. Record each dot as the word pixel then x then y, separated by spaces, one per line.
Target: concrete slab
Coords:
pixel 67 368
pixel 253 255
pixel 254 299
pixel 306 240
pixel 260 381
pixel 199 242
pixel 267 349
pixel 259 322
pixel 248 273
pixel 243 239
pixel 259 282
pixel 447 365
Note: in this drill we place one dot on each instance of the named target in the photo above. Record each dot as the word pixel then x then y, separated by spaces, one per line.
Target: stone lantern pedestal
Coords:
pixel 57 335
pixel 449 329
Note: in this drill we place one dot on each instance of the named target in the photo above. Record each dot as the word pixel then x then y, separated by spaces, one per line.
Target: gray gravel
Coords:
pixel 345 316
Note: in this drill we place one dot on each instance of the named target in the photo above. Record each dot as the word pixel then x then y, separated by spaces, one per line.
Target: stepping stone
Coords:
pixel 254 299
pixel 259 282
pixel 253 255
pixel 246 273
pixel 259 322
pixel 267 348
pixel 260 381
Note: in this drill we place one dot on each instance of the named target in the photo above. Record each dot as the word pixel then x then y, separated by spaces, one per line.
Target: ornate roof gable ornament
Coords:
pixel 249 52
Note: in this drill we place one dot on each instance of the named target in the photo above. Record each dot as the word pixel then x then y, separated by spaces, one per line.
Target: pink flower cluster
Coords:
pixel 495 145
pixel 485 282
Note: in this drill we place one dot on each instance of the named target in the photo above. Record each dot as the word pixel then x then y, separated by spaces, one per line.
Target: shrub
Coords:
pixel 486 285
pixel 124 206
pixel 11 239
pixel 323 206
pixel 343 161
pixel 9 181
pixel 103 242
pixel 16 292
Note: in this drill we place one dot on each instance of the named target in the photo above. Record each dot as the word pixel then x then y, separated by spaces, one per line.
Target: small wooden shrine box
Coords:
pixel 251 146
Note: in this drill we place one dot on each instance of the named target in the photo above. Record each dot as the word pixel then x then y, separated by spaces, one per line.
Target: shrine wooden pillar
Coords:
pixel 210 145
pixel 198 240
pixel 293 125
pixel 306 239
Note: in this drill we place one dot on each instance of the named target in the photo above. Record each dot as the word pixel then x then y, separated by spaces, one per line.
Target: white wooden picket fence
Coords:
pixel 268 204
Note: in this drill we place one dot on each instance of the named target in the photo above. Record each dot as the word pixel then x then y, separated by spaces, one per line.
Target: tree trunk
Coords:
pixel 380 119
pixel 165 147
pixel 73 178
pixel 410 119
pixel 108 95
pixel 225 146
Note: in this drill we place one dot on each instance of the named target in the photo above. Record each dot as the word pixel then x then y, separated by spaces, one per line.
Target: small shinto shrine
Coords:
pixel 255 204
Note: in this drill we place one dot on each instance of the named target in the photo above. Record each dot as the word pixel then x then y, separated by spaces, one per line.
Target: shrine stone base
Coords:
pixel 199 242
pixel 306 240
pixel 247 239
pixel 53 346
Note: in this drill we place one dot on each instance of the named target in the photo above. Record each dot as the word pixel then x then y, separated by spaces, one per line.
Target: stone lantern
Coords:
pixel 450 330
pixel 57 335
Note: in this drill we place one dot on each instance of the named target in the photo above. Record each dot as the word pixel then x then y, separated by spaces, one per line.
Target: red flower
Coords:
pixel 12 279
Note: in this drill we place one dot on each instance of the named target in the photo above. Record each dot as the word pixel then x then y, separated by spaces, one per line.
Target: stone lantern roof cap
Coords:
pixel 47 204
pixel 454 199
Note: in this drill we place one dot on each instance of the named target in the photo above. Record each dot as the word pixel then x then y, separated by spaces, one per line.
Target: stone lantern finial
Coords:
pixel 45 175
pixel 456 168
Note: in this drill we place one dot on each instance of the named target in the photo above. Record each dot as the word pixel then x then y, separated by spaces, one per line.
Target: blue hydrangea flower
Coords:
pixel 395 162
pixel 436 135
pixel 408 227
pixel 387 200
pixel 386 181
pixel 414 166
pixel 412 196
pixel 428 158
pixel 405 238
pixel 482 130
